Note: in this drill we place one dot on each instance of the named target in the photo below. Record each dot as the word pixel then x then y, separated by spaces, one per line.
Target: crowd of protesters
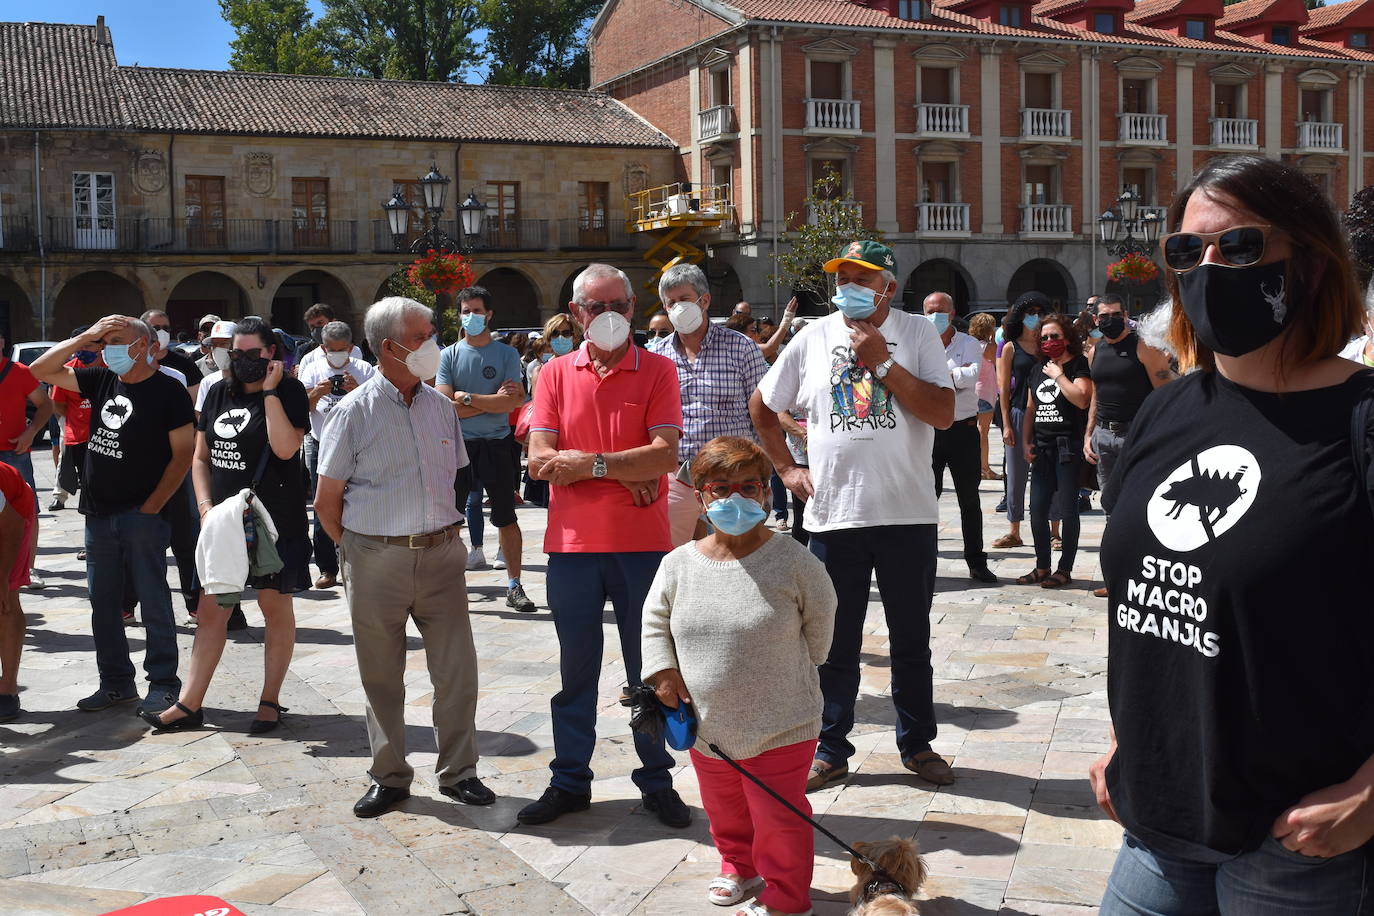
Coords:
pixel 1232 454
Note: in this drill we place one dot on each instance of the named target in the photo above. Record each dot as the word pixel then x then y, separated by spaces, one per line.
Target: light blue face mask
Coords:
pixel 118 359
pixel 940 320
pixel 561 345
pixel 474 324
pixel 1031 322
pixel 735 515
pixel 854 301
pixel 1095 334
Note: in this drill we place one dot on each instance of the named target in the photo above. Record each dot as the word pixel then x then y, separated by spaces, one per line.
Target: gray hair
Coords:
pixel 600 272
pixel 386 319
pixel 1153 326
pixel 337 330
pixel 888 277
pixel 683 275
pixel 141 327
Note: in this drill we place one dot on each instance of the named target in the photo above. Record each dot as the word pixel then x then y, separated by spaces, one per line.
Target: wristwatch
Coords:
pixel 598 465
pixel 881 370
pixel 271 393
pixel 467 400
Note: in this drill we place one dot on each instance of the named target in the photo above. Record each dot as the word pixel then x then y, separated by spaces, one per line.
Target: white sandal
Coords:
pixel 737 889
pixel 754 908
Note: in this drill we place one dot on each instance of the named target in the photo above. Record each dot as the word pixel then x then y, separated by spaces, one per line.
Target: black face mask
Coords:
pixel 249 370
pixel 1112 326
pixel 1236 310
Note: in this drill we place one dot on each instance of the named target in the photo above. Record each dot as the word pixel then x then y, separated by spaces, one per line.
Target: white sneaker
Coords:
pixel 35 580
pixel 500 562
pixel 476 559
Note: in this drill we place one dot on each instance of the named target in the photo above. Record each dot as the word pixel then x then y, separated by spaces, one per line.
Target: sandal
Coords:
pixel 1056 543
pixel 1008 540
pixel 736 890
pixel 262 726
pixel 783 526
pixel 823 773
pixel 754 908
pixel 1058 580
pixel 1034 577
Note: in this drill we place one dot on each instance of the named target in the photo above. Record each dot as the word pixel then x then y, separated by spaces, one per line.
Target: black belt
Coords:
pixel 967 421
pixel 1114 426
pixel 417 541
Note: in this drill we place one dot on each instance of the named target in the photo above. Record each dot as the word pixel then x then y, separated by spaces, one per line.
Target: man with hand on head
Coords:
pixel 142 437
pixel 604 433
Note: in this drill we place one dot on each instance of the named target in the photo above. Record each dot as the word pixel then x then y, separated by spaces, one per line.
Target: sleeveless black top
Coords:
pixel 1122 381
pixel 1023 366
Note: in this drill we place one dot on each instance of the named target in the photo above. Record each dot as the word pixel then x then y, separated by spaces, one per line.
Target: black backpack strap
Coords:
pixel 1362 439
pixel 262 468
pixel 9 364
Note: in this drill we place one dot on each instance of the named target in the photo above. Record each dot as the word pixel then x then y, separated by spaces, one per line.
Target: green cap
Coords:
pixel 865 253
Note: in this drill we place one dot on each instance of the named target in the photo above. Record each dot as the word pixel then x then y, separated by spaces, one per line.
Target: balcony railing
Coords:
pixel 943 219
pixel 1235 133
pixel 713 122
pixel 1319 135
pixel 1046 123
pixel 1047 219
pixel 830 115
pixel 576 234
pixel 1148 129
pixel 510 234
pixel 17 234
pixel 70 233
pixel 941 119
pixel 333 235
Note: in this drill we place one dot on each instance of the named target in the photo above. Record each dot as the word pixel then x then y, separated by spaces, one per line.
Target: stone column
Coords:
pixel 990 101
pixel 1183 97
pixel 885 134
pixel 745 194
pixel 1273 109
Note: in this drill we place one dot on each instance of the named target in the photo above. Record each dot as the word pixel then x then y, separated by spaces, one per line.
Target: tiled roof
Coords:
pixel 1247 11
pixel 269 104
pixel 57 76
pixel 1149 10
pixel 1325 17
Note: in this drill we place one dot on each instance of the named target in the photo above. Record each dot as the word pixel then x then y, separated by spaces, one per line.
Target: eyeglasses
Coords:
pixel 251 353
pixel 595 308
pixel 1239 246
pixel 749 489
pixel 1051 336
pixel 567 333
pixel 661 332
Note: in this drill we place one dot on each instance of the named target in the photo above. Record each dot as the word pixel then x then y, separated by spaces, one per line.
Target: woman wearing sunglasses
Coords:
pixel 735 625
pixel 254 419
pixel 1236 560
pixel 1016 361
pixel 1057 397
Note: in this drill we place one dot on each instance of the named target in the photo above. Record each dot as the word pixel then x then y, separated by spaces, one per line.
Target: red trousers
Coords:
pixel 753 833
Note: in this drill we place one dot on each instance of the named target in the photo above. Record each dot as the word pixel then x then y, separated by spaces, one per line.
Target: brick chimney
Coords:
pixel 102 34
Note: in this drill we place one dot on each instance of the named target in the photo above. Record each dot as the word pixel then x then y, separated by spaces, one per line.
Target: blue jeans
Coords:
pixel 779 498
pixel 903 557
pixel 137 543
pixel 1271 881
pixel 578 586
pixel 24 465
pixel 1054 494
pixel 326 554
pixel 473 513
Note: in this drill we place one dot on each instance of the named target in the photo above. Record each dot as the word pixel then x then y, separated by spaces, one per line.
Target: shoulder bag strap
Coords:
pixel 4 373
pixel 1361 446
pixel 262 468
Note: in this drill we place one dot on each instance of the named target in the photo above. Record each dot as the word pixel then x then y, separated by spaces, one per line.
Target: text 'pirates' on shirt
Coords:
pixel 870 458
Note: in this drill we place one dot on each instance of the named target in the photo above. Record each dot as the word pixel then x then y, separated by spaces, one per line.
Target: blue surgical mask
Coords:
pixel 735 515
pixel 118 359
pixel 561 345
pixel 854 301
pixel 1031 322
pixel 940 320
pixel 474 324
pixel 86 356
pixel 1095 334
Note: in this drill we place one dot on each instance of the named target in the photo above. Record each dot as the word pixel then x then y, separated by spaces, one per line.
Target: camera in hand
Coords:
pixel 336 385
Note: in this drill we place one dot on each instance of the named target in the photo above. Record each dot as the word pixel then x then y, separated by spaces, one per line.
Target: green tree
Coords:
pixel 275 36
pixel 1359 223
pixel 538 42
pixel 835 221
pixel 402 39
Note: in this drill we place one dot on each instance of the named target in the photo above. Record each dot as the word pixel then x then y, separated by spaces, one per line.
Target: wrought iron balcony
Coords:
pixel 578 234
pixel 17 234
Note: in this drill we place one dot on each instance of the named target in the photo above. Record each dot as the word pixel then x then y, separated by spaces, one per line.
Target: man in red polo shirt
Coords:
pixel 18 522
pixel 604 434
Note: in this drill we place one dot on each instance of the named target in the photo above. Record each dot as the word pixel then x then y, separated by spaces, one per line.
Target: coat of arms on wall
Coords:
pixel 258 174
pixel 636 178
pixel 150 171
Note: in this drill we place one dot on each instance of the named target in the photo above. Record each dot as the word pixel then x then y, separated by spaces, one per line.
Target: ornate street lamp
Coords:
pixel 435 188
pixel 471 214
pixel 1141 226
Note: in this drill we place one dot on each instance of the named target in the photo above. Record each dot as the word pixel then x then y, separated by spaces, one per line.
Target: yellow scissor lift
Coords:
pixel 675 214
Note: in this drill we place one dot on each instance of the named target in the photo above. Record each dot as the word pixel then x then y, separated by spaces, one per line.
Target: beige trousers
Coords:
pixel 387 585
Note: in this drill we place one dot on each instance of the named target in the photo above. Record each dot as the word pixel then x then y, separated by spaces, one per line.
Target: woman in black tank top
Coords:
pixel 1015 364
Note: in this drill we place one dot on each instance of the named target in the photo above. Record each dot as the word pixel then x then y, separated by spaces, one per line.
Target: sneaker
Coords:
pixel 516 598
pixel 500 561
pixel 81 554
pixel 104 699
pixel 1001 507
pixel 552 805
pixel 9 707
pixel 35 580
pixel 476 559
pixel 156 702
pixel 57 504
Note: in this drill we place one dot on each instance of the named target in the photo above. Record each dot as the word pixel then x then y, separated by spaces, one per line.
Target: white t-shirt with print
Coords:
pixel 870 458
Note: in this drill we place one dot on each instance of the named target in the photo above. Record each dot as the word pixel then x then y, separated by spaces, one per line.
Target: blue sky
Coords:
pixel 154 33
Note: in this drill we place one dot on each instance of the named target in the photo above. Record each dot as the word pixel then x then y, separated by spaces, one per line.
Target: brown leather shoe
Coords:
pixel 931 767
pixel 326 581
pixel 823 773
pixel 1100 592
pixel 1008 540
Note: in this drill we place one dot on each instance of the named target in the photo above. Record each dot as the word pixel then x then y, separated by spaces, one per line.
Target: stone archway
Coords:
pixel 938 275
pixel 565 294
pixel 16 312
pixel 88 297
pixel 303 289
pixel 514 298
pixel 205 292
pixel 1046 276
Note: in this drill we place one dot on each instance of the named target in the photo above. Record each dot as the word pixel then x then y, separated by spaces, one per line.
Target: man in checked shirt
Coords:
pixel 717 371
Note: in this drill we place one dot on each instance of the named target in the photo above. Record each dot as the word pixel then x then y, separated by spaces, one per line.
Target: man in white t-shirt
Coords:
pixel 875 384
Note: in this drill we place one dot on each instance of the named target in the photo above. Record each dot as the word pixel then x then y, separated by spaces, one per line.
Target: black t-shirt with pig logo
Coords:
pixel 1055 415
pixel 1241 632
pixel 128 449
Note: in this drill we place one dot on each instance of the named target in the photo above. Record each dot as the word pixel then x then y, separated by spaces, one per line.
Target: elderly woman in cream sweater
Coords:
pixel 735 624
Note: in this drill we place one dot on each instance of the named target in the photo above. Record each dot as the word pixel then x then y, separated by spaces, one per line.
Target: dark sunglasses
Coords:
pixel 661 332
pixel 596 308
pixel 1051 336
pixel 1240 246
pixel 567 333
pixel 252 353
pixel 749 489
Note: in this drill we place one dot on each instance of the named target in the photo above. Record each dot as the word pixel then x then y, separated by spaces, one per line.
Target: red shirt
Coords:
pixel 76 426
pixel 17 493
pixel 603 415
pixel 14 394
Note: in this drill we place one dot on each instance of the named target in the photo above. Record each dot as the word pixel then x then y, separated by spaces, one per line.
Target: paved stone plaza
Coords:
pixel 96 814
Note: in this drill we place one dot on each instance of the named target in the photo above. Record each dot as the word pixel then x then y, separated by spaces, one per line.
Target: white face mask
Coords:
pixel 423 361
pixel 163 339
pixel 336 360
pixel 685 316
pixel 220 356
pixel 608 331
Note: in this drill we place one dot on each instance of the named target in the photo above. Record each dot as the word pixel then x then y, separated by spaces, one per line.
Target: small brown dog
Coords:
pixel 901 860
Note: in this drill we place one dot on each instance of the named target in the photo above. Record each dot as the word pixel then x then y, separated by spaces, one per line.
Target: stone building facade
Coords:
pixel 236 193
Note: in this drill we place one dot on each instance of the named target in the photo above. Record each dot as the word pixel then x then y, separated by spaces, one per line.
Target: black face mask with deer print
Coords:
pixel 1236 310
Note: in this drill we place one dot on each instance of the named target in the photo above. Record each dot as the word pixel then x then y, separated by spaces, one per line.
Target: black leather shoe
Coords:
pixel 552 805
pixel 379 800
pixel 669 807
pixel 981 573
pixel 470 791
